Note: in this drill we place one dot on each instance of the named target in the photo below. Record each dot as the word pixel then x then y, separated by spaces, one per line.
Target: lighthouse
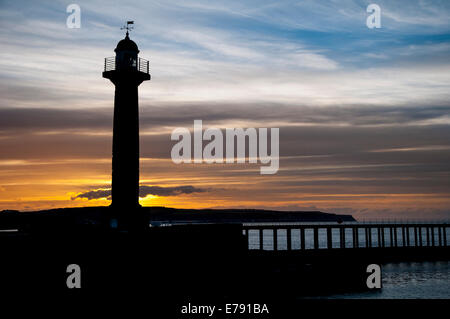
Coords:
pixel 126 71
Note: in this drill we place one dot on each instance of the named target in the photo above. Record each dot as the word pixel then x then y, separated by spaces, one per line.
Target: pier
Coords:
pixel 286 259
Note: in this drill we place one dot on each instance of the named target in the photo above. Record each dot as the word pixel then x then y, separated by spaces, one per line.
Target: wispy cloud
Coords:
pixel 143 192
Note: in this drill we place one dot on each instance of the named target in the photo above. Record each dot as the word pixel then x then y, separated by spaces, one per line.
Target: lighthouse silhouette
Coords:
pixel 126 71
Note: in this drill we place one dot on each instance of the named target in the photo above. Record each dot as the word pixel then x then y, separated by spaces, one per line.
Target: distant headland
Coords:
pixel 99 216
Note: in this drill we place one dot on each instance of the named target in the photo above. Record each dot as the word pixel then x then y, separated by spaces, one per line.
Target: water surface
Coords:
pixel 412 280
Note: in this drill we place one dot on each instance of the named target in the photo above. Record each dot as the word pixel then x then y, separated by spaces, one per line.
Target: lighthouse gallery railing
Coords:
pixel 142 65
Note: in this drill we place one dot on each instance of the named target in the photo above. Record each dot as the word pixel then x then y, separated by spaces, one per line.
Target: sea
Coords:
pixel 411 280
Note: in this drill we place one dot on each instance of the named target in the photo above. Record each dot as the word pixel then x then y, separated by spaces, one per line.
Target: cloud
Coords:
pixel 169 115
pixel 144 191
pixel 49 135
pixel 95 194
pixel 206 57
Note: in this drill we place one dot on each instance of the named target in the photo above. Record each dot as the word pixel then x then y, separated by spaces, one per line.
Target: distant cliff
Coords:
pixel 242 215
pixel 67 217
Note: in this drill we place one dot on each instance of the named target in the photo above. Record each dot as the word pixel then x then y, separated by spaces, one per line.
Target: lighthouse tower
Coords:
pixel 126 71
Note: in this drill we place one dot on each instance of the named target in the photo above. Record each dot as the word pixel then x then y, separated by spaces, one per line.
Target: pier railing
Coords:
pixel 320 236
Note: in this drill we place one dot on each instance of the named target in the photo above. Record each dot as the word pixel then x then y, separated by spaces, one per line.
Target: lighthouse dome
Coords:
pixel 127 45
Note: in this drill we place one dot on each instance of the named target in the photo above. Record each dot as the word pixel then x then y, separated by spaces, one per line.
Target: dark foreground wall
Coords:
pixel 178 260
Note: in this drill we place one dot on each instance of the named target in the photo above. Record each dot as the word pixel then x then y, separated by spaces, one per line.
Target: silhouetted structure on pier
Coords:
pixel 126 71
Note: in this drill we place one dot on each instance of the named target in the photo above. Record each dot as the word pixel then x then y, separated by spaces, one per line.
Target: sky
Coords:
pixel 364 114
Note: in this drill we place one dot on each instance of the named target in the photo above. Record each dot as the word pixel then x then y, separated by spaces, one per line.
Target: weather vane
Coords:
pixel 128 27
